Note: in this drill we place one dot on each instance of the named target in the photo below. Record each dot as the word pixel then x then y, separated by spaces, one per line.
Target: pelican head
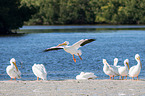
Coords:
pixel 126 62
pixel 64 43
pixel 13 62
pixel 115 61
pixel 82 73
pixel 104 61
pixel 137 57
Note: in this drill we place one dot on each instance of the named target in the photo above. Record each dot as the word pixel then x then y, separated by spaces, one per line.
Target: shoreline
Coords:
pixel 73 88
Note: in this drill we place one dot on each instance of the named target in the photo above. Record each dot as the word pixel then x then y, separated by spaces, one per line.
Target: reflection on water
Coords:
pixel 28 49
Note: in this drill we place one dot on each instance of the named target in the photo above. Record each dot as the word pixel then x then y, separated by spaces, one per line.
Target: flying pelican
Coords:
pixel 40 71
pixel 123 70
pixel 12 70
pixel 135 70
pixel 86 76
pixel 73 50
pixel 110 69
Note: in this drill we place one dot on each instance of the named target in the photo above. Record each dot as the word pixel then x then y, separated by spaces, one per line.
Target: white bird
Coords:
pixel 135 70
pixel 86 76
pixel 115 62
pixel 110 69
pixel 39 71
pixel 12 70
pixel 123 70
pixel 73 50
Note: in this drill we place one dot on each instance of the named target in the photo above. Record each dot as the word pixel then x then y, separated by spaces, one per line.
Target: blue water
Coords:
pixel 28 49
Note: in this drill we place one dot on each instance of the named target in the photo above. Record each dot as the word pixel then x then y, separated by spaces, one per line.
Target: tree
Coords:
pixel 13 15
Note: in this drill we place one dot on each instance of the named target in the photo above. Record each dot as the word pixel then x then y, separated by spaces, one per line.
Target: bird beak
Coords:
pixel 15 65
pixel 62 44
pixel 127 65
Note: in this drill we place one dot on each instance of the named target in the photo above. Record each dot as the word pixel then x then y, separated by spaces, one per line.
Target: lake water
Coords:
pixel 28 49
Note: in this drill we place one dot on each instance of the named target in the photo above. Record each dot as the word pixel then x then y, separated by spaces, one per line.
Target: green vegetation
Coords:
pixel 13 13
pixel 88 12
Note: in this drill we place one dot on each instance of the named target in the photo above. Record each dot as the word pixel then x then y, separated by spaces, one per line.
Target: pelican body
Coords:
pixel 110 70
pixel 86 76
pixel 12 70
pixel 134 71
pixel 123 70
pixel 74 49
pixel 39 71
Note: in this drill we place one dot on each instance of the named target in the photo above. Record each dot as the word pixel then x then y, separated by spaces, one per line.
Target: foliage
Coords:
pixel 13 15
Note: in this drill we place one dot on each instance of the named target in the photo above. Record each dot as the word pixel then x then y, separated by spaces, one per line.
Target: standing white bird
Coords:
pixel 110 70
pixel 115 62
pixel 135 70
pixel 39 71
pixel 12 70
pixel 123 70
pixel 73 50
pixel 86 76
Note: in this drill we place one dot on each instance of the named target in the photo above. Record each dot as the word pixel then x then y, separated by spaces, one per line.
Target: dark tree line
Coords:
pixel 88 12
pixel 15 13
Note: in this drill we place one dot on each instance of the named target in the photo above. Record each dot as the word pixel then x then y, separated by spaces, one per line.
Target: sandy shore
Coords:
pixel 73 88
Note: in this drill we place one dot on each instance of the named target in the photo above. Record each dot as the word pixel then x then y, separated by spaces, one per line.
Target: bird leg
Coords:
pixel 122 77
pixel 79 56
pixel 126 77
pixel 15 78
pixel 113 77
pixel 11 79
pixel 74 58
pixel 37 78
pixel 110 77
pixel 137 77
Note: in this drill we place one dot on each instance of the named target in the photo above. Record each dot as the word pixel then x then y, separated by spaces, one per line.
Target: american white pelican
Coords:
pixel 40 71
pixel 73 50
pixel 135 70
pixel 123 70
pixel 86 76
pixel 110 70
pixel 115 62
pixel 12 70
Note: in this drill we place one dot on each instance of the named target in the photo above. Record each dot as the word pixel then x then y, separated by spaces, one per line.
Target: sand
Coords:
pixel 73 88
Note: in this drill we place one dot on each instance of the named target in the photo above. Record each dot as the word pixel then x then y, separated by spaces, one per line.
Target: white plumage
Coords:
pixel 123 70
pixel 110 69
pixel 86 76
pixel 12 70
pixel 135 70
pixel 115 62
pixel 39 71
pixel 74 49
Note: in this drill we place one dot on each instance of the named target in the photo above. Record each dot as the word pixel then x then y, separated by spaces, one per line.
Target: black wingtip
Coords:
pixel 51 49
pixel 87 41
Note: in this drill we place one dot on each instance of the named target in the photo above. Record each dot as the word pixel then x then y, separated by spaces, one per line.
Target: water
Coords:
pixel 28 49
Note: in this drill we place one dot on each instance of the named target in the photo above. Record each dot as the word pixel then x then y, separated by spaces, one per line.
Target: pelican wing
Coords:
pixel 53 48
pixel 82 42
pixel 89 75
pixel 114 69
pixel 132 69
pixel 40 71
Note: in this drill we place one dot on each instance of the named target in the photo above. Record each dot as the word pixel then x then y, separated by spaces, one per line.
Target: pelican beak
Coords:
pixel 127 65
pixel 15 65
pixel 62 44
